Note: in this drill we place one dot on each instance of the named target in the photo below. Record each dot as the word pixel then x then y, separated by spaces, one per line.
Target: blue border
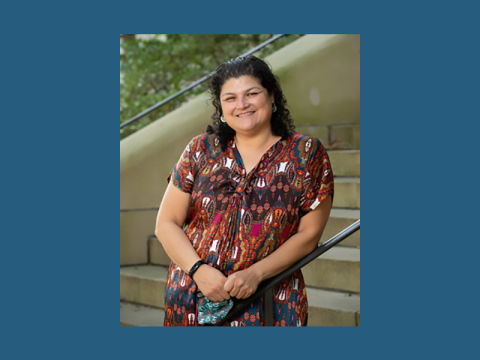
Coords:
pixel 62 181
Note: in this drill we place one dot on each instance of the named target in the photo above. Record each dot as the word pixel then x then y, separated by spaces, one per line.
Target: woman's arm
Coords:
pixel 170 219
pixel 244 283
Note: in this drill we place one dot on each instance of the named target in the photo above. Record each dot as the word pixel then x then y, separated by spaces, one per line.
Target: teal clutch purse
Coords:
pixel 210 312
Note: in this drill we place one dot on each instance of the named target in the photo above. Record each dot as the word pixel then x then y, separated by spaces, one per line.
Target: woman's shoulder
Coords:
pixel 305 142
pixel 202 139
pixel 206 143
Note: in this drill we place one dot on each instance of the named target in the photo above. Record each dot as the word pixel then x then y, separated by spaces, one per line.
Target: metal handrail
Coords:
pixel 191 86
pixel 270 283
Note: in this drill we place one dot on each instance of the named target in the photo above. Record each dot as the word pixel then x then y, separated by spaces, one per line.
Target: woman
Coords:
pixel 245 201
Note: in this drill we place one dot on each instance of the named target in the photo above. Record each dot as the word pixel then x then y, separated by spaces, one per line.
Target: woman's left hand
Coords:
pixel 242 284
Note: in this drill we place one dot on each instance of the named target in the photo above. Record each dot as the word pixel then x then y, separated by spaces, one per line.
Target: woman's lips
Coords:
pixel 246 114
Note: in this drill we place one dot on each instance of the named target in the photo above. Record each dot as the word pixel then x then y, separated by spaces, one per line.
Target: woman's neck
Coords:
pixel 260 142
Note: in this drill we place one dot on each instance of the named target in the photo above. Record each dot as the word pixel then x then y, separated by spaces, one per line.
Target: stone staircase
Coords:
pixel 333 279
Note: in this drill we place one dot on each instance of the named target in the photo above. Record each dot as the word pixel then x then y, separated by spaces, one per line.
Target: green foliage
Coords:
pixel 152 70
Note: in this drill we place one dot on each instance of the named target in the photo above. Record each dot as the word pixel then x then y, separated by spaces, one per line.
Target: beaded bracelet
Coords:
pixel 195 268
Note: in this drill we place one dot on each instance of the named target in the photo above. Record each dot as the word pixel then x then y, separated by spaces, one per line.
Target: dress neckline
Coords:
pixel 268 153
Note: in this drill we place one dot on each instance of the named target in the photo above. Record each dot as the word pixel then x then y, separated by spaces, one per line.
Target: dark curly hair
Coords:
pixel 281 121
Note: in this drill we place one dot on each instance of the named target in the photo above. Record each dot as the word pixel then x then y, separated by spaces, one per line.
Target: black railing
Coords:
pixel 270 283
pixel 191 86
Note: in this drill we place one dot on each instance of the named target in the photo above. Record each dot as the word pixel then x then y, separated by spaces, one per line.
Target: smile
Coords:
pixel 246 114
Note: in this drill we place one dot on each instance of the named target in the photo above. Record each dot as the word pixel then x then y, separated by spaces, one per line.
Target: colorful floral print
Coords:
pixel 236 219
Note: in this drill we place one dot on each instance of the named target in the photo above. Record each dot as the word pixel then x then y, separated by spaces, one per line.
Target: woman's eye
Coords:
pixel 252 94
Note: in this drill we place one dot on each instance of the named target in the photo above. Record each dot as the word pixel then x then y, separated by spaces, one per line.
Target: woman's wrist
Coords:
pixel 256 270
pixel 195 267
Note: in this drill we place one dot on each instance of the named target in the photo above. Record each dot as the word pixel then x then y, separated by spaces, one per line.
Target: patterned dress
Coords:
pixel 236 219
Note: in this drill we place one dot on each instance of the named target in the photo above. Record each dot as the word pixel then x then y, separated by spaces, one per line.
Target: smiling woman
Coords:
pixel 247 109
pixel 247 105
pixel 245 201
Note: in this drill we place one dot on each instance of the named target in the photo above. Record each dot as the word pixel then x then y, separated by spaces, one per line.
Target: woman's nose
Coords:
pixel 242 102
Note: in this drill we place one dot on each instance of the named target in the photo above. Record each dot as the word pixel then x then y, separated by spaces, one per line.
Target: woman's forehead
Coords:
pixel 240 84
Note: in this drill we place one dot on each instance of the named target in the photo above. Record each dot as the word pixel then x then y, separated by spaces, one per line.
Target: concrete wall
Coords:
pixel 320 75
pixel 146 159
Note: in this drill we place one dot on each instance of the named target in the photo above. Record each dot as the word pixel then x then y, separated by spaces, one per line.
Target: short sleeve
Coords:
pixel 183 174
pixel 318 181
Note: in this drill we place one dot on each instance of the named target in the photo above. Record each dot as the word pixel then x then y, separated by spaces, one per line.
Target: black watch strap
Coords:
pixel 195 268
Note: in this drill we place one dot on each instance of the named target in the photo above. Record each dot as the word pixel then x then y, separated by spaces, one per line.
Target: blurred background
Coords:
pixel 156 66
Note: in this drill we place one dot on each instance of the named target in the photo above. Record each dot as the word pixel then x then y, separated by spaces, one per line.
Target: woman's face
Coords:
pixel 246 105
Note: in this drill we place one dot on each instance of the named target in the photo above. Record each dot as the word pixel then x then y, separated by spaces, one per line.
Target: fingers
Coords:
pixel 212 284
pixel 244 294
pixel 216 287
pixel 221 292
pixel 225 295
pixel 218 295
pixel 238 287
pixel 231 286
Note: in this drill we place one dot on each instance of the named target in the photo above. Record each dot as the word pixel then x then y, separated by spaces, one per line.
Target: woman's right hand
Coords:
pixel 210 281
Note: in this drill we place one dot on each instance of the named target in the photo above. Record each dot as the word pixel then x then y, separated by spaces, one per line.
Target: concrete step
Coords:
pixel 345 162
pixel 338 268
pixel 330 308
pixel 140 315
pixel 146 285
pixel 347 193
pixel 334 136
pixel 344 136
pixel 143 284
pixel 339 220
